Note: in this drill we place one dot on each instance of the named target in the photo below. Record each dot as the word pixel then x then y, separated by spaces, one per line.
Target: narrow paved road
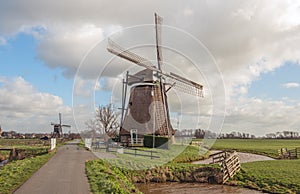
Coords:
pixel 64 173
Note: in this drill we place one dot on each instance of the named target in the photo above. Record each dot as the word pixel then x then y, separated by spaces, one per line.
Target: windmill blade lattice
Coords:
pixel 186 86
pixel 116 49
pixel 158 23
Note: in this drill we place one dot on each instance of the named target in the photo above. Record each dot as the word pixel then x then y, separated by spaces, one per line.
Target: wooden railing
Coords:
pixel 114 147
pixel 229 162
pixel 230 166
pixel 139 152
pixel 284 153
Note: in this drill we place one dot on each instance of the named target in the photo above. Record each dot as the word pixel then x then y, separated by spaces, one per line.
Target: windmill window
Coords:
pixel 130 103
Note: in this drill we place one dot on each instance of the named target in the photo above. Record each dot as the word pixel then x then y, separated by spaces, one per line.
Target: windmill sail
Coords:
pixel 116 49
pixel 158 23
pixel 182 84
pixel 185 85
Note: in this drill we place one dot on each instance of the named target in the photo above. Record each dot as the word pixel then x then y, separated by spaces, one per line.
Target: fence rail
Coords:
pixel 285 153
pixel 114 147
pixel 229 162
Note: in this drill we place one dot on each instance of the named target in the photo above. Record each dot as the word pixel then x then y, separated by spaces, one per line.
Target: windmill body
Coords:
pixel 147 111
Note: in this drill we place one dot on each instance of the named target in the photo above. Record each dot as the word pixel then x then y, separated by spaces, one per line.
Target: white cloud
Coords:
pixel 258 116
pixel 290 85
pixel 23 108
pixel 247 38
pixel 2 41
pixel 188 11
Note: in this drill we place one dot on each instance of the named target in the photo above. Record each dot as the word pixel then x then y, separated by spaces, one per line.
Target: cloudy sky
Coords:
pixel 245 53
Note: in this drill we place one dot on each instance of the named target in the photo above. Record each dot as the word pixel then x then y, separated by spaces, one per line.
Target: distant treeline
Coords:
pixel 283 135
pixel 200 133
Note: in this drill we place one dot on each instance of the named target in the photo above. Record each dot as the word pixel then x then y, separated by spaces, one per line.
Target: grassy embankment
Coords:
pixel 118 175
pixel 107 178
pixel 17 172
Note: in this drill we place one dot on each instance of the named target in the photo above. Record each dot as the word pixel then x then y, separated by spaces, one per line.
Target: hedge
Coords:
pixel 159 141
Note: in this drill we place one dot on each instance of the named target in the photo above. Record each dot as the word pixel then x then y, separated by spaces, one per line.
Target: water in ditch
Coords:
pixel 190 188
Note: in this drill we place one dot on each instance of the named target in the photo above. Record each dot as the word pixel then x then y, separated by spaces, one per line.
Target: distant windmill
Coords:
pixel 147 111
pixel 57 129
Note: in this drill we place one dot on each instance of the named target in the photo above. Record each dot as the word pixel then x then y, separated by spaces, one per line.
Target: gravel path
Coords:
pixel 244 158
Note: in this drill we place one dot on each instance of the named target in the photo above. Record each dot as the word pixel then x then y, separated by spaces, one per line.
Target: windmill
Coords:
pixel 57 128
pixel 147 111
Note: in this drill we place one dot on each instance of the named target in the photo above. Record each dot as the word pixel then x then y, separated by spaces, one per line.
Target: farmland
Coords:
pixel 278 176
pixel 267 147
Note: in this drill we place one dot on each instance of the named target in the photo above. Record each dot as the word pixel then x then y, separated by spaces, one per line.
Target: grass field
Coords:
pixel 279 176
pixel 268 147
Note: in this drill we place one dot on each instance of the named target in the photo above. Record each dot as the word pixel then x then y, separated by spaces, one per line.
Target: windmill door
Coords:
pixel 133 136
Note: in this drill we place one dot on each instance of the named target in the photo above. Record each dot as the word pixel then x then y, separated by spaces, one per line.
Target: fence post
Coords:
pixel 53 143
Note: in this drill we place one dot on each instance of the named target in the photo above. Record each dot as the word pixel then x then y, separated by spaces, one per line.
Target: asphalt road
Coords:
pixel 64 173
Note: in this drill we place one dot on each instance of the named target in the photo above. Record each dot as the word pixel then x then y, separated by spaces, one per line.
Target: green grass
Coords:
pixel 105 178
pixel 176 153
pixel 267 147
pixel 17 172
pixel 191 153
pixel 4 155
pixel 279 176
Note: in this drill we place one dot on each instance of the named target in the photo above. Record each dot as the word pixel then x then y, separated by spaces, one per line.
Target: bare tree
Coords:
pixel 105 121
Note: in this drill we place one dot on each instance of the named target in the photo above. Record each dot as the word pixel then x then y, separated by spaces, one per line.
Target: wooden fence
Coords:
pixel 115 147
pixel 139 152
pixel 229 162
pixel 284 153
